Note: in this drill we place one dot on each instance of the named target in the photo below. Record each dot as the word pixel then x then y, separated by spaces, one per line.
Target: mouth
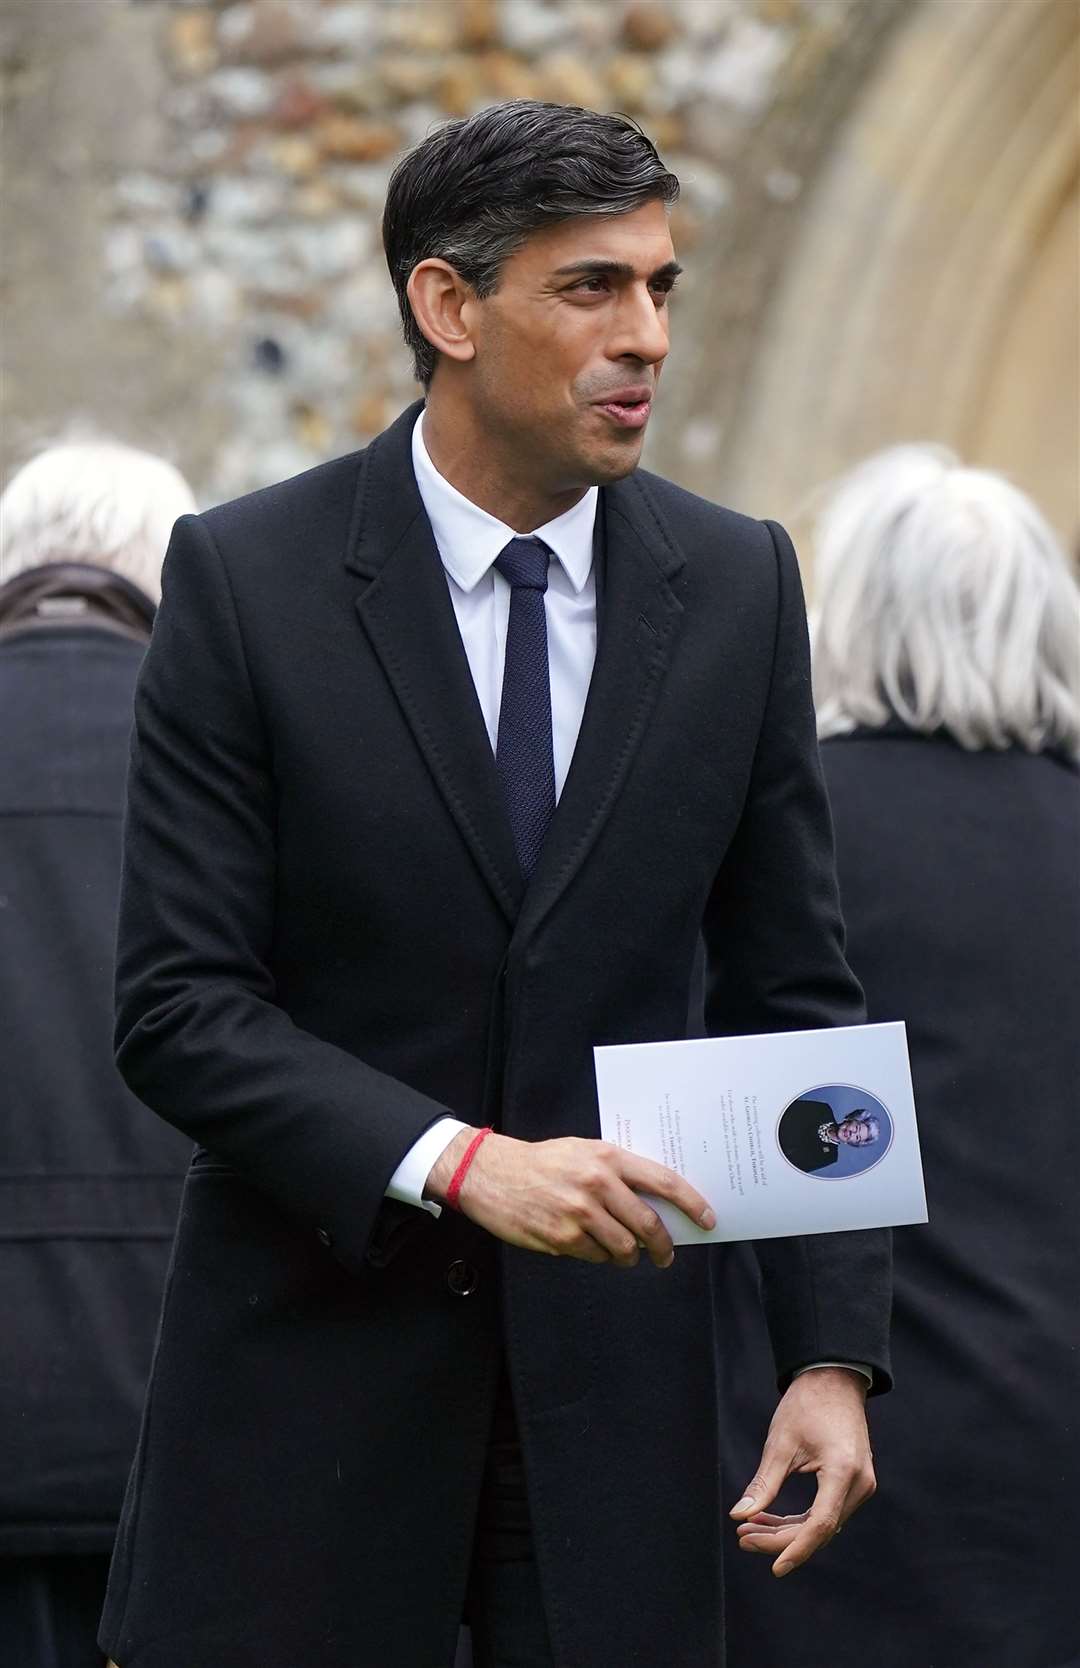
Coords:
pixel 628 410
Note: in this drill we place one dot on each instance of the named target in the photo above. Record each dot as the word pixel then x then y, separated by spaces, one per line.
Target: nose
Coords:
pixel 641 328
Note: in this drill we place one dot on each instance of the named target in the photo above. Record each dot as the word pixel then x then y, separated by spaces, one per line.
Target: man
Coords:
pixel 810 1137
pixel 353 914
pixel 89 1181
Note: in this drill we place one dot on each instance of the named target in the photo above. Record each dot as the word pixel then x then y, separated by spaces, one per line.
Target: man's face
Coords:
pixel 570 346
pixel 854 1133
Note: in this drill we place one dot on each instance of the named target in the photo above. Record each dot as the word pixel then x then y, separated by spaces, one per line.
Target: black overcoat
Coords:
pixel 89 1181
pixel 960 881
pixel 325 944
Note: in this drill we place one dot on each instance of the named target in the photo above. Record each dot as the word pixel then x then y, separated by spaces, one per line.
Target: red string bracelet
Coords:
pixel 459 1174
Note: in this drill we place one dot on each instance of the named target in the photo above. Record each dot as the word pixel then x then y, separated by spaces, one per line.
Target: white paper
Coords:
pixel 797 1132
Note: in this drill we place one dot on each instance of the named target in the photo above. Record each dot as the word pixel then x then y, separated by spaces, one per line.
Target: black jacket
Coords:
pixel 89 1182
pixel 325 944
pixel 960 880
pixel 798 1135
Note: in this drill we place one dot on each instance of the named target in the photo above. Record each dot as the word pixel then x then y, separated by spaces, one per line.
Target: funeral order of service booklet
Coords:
pixel 796 1132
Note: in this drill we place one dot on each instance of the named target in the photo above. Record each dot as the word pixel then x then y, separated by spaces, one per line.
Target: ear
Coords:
pixel 440 299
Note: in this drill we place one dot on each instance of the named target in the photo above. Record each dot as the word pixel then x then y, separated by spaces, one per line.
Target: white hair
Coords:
pixel 943 597
pixel 97 502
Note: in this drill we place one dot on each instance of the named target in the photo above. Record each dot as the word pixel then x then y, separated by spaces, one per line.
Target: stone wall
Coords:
pixel 237 258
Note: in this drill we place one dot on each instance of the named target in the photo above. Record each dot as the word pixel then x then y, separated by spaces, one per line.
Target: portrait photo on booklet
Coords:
pixel 835 1132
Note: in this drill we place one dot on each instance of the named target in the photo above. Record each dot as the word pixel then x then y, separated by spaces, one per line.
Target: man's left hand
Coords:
pixel 819 1428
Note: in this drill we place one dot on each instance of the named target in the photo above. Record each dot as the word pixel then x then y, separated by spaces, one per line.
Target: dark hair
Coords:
pixel 472 191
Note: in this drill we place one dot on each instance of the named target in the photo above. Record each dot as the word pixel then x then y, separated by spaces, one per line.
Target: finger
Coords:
pixel 591 1252
pixel 763 1488
pixel 771 1542
pixel 640 1220
pixel 570 1239
pixel 616 1238
pixel 646 1177
pixel 769 1520
pixel 824 1520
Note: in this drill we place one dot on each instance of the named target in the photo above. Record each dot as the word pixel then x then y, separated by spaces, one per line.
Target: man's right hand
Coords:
pixel 569 1197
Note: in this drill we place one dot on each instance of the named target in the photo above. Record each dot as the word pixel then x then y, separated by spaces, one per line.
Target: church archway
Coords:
pixel 932 290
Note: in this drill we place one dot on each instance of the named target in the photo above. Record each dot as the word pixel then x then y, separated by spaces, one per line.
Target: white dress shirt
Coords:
pixel 469 540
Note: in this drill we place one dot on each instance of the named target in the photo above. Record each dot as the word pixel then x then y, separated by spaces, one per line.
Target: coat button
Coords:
pixel 462 1278
pixel 324 1237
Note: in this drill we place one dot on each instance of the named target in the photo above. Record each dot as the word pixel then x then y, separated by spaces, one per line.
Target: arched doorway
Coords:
pixel 932 290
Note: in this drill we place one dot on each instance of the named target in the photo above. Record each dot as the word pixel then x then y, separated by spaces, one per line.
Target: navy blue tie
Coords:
pixel 523 751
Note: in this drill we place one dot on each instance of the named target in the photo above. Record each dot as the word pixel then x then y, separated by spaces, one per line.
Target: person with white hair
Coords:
pixel 947 678
pixel 96 504
pixel 89 1180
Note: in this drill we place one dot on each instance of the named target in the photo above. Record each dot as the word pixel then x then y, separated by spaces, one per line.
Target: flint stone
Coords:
pixel 148 194
pixel 242 200
pixel 192 42
pixel 649 26
pixel 266 32
pixel 170 248
pixel 351 139
pixel 533 26
pixel 349 27
pixel 242 93
pixel 742 72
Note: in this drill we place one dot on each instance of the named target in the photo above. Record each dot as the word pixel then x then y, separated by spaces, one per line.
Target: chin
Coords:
pixel 614 463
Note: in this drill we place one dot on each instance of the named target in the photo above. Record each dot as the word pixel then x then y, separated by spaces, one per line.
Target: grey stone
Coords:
pixel 416 121
pixel 594 26
pixel 216 300
pixel 241 200
pixel 169 247
pixel 532 26
pixel 742 71
pixel 677 72
pixel 783 184
pixel 208 145
pixel 356 85
pixel 705 19
pixel 255 258
pixel 241 92
pixel 361 183
pixel 148 194
pixel 705 189
pixel 309 359
pixel 330 250
pixel 235 25
pixel 346 27
pixel 189 106
pixel 365 304
pixel 123 251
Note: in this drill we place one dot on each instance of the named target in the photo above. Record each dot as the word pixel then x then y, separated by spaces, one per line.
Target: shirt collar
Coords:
pixel 469 539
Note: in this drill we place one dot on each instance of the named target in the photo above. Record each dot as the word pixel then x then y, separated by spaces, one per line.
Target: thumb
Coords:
pixel 763 1487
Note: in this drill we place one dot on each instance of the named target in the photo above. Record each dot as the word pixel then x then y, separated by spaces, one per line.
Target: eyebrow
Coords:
pixel 614 269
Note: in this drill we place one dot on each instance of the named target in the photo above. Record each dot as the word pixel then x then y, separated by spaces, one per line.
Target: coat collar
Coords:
pixel 408 616
pixel 74 595
pixel 470 540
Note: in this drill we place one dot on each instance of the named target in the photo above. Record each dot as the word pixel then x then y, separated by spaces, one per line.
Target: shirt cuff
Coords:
pixel 812 1366
pixel 410 1178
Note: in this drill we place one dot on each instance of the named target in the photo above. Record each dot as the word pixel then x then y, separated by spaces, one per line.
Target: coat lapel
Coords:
pixel 638 620
pixel 409 619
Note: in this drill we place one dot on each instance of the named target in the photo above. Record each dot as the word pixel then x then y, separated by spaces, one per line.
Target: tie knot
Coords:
pixel 524 563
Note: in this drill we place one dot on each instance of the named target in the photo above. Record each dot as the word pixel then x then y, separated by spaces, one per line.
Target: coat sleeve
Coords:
pixel 199 1036
pixel 774 942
